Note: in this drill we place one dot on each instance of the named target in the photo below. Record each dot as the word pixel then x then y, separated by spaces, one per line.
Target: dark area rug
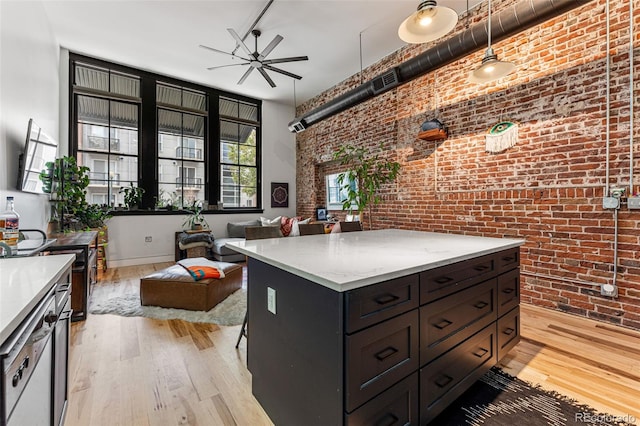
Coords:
pixel 500 399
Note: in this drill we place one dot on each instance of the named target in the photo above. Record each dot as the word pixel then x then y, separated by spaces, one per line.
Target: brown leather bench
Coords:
pixel 173 287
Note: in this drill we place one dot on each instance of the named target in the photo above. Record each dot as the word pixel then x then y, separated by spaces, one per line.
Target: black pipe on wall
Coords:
pixel 511 21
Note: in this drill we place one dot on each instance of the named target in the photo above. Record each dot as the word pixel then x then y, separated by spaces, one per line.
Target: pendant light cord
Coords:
pixel 489 25
pixel 360 35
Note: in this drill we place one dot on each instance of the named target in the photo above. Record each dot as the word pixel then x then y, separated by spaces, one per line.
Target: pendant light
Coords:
pixel 491 68
pixel 427 23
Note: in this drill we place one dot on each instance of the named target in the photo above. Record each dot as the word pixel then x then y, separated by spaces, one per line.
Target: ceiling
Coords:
pixel 163 36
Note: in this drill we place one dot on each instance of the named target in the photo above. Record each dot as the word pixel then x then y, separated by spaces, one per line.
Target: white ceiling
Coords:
pixel 163 36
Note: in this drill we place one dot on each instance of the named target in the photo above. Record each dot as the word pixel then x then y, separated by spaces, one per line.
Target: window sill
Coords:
pixel 161 212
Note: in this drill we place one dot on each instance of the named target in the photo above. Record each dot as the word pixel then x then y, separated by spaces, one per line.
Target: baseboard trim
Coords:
pixel 140 261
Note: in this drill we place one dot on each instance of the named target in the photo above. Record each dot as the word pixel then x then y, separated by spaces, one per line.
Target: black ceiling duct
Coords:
pixel 511 21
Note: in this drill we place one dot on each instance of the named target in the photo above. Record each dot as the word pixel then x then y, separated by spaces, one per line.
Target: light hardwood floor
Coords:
pixel 140 371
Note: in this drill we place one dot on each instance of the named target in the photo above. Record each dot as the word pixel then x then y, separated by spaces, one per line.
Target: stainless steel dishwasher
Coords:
pixel 27 357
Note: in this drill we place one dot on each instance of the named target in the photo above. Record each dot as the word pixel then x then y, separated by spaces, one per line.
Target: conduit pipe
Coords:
pixel 507 23
pixel 631 97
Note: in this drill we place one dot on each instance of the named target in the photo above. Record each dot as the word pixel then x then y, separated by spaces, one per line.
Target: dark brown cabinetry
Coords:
pixel 396 352
pixel 85 268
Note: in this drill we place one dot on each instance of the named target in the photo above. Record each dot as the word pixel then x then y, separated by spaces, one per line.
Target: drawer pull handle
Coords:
pixel 387 298
pixel 480 268
pixel 481 352
pixel 508 258
pixel 508 331
pixel 443 280
pixel 442 324
pixel 481 304
pixel 508 290
pixel 386 353
pixel 388 420
pixel 443 381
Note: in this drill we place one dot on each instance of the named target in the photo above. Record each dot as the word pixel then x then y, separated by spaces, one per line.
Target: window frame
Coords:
pixel 148 130
pixel 331 181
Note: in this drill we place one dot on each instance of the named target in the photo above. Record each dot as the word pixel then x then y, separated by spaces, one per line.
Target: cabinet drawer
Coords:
pixel 508 291
pixel 508 259
pixel 369 305
pixel 380 356
pixel 449 321
pixel 440 282
pixel 395 406
pixel 446 378
pixel 508 332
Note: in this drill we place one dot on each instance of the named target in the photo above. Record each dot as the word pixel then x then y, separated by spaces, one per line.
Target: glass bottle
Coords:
pixel 10 232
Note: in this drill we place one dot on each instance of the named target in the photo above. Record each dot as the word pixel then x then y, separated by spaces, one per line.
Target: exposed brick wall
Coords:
pixel 547 189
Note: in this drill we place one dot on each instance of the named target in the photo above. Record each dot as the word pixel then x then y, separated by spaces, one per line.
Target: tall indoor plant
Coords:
pixel 368 172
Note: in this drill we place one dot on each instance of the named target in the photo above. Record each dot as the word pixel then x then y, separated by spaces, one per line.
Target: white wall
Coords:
pixel 127 233
pixel 29 84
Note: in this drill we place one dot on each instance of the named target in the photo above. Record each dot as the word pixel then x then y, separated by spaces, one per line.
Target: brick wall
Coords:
pixel 547 189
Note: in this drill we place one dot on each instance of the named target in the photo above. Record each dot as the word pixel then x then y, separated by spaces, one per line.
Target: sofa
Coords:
pixel 235 232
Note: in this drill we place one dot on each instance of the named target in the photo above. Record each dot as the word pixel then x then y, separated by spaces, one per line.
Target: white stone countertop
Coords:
pixel 349 260
pixel 24 281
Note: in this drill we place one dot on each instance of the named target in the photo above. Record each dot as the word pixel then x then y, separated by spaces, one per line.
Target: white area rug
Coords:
pixel 228 312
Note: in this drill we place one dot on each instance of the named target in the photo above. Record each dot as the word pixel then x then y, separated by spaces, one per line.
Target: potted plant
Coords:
pixel 365 176
pixel 195 219
pixel 132 196
pixel 67 183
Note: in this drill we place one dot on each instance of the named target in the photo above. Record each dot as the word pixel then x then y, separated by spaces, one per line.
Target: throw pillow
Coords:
pixel 295 229
pixel 286 224
pixel 236 229
pixel 270 222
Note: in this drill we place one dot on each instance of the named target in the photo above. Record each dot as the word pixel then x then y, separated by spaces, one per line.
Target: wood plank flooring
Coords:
pixel 140 371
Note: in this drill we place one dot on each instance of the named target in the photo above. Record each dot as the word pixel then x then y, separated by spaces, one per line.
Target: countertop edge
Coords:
pixel 362 282
pixel 9 329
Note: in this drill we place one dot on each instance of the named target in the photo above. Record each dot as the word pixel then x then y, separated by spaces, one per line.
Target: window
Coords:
pixel 182 121
pixel 335 195
pixel 179 141
pixel 238 153
pixel 107 112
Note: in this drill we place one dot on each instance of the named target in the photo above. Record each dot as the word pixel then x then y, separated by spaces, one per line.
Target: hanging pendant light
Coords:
pixel 491 68
pixel 427 23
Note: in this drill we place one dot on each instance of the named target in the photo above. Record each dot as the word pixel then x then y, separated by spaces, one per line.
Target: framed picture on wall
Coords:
pixel 279 194
pixel 321 213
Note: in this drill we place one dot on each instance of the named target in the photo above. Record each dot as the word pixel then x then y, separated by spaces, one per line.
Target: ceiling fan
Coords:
pixel 257 60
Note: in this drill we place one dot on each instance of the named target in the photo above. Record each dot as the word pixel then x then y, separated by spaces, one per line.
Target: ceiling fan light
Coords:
pixel 491 69
pixel 428 23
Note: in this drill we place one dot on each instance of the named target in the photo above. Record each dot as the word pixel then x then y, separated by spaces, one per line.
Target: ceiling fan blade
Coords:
pixel 287 73
pixel 224 66
pixel 276 40
pixel 281 60
pixel 245 75
pixel 221 51
pixel 240 42
pixel 266 77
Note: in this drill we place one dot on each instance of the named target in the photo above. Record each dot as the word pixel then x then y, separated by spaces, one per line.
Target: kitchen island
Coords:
pixel 376 326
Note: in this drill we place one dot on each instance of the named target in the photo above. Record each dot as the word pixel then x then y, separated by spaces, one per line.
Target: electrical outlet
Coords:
pixel 148 239
pixel 271 300
pixel 609 290
pixel 633 202
pixel 611 203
